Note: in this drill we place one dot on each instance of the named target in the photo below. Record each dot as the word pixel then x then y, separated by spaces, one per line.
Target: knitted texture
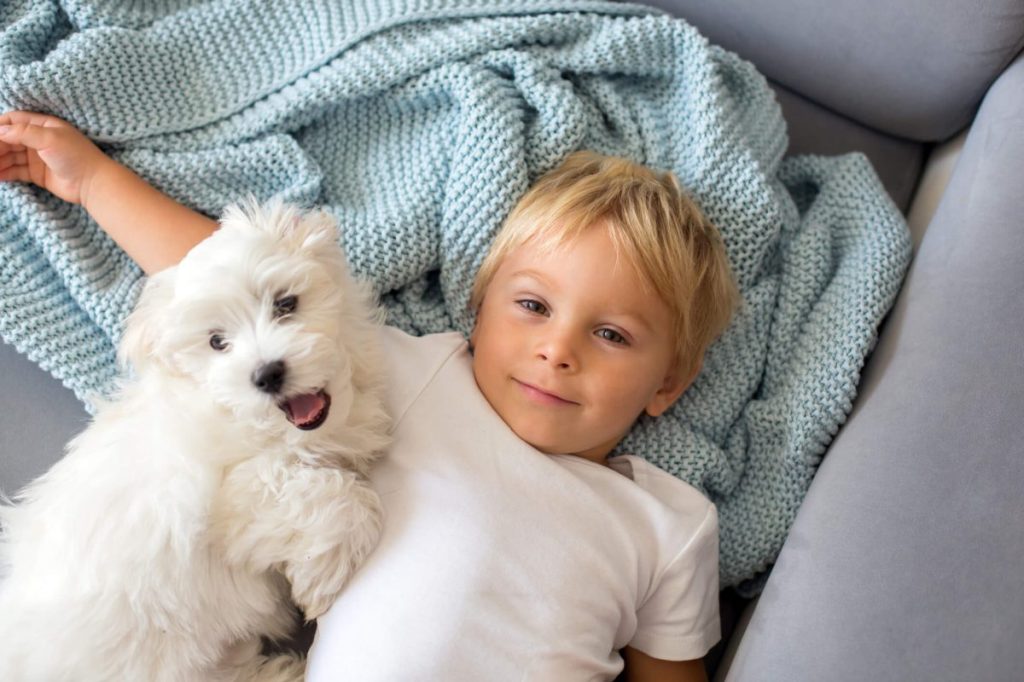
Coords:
pixel 419 123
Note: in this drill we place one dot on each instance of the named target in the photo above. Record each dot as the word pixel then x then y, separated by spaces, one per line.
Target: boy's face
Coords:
pixel 569 349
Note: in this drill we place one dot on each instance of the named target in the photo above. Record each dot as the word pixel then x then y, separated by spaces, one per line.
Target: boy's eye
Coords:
pixel 285 305
pixel 217 342
pixel 533 306
pixel 611 335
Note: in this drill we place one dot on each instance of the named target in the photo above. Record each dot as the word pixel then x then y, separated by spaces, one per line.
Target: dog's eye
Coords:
pixel 285 306
pixel 217 342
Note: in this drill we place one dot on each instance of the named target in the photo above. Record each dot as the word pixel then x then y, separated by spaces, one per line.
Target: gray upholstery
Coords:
pixel 815 130
pixel 37 418
pixel 905 560
pixel 911 68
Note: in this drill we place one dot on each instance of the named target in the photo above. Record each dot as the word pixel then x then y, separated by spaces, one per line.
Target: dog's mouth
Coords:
pixel 307 411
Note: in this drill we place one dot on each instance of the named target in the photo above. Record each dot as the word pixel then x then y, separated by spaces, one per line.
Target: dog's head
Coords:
pixel 262 316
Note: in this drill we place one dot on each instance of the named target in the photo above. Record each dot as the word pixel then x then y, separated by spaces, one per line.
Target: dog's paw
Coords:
pixel 317 581
pixel 333 549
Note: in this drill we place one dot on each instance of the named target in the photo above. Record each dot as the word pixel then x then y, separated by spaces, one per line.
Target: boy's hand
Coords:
pixel 152 228
pixel 50 153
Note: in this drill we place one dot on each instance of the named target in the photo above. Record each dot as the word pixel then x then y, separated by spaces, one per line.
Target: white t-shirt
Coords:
pixel 499 562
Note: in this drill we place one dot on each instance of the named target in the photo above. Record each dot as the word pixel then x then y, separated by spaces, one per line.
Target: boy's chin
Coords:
pixel 540 441
pixel 562 446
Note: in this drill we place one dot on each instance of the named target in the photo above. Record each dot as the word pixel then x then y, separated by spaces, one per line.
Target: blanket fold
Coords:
pixel 419 123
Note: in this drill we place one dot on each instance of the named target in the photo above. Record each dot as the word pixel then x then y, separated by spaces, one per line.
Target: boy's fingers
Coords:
pixel 14 159
pixel 15 174
pixel 30 117
pixel 28 135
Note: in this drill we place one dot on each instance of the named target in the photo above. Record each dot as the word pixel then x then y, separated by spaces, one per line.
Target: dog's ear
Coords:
pixel 300 229
pixel 316 229
pixel 246 214
pixel 144 325
pixel 303 230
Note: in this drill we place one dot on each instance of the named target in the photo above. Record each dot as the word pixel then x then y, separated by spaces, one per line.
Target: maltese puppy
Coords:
pixel 228 474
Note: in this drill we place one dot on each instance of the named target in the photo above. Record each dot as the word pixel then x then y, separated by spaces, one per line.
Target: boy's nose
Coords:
pixel 557 350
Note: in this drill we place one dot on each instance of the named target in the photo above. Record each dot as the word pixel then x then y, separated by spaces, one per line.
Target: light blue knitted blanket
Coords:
pixel 419 123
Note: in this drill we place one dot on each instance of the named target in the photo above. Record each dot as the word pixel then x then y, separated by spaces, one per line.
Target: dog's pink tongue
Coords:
pixel 305 408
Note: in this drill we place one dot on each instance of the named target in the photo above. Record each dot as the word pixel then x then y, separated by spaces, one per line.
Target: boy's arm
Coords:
pixel 642 668
pixel 153 229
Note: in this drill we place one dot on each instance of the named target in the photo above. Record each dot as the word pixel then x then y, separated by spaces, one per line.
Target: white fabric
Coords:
pixel 498 562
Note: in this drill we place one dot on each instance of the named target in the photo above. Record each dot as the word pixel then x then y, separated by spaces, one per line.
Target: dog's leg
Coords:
pixel 280 668
pixel 315 524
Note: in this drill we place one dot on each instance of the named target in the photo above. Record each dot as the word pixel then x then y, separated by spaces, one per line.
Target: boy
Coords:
pixel 514 547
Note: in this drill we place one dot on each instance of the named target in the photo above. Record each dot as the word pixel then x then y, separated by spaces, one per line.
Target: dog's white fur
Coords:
pixel 169 538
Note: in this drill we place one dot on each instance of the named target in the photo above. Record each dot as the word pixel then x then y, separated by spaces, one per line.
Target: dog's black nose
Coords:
pixel 269 377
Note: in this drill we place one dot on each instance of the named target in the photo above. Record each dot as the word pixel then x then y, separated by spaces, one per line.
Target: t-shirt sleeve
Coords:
pixel 679 620
pixel 412 363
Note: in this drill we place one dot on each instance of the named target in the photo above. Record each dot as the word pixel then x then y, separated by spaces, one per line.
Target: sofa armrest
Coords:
pixel 904 562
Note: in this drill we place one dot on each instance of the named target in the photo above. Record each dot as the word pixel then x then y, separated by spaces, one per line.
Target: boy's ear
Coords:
pixel 143 326
pixel 474 332
pixel 673 387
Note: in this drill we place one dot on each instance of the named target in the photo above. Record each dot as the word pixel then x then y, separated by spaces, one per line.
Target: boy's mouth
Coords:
pixel 307 411
pixel 540 395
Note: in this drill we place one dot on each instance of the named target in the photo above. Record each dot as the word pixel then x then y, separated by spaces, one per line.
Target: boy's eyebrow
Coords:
pixel 529 272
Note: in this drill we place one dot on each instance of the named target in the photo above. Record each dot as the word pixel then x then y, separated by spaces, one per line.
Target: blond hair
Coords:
pixel 662 233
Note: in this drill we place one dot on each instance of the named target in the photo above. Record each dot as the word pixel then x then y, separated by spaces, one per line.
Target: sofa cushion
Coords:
pixel 914 68
pixel 815 130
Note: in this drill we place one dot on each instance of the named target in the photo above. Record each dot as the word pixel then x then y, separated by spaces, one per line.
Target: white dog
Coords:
pixel 228 474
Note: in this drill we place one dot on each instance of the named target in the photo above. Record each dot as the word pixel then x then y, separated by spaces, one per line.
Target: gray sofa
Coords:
pixel 903 563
